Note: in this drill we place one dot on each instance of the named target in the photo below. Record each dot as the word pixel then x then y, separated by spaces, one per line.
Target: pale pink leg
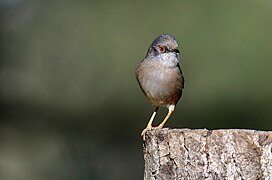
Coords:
pixel 170 111
pixel 149 125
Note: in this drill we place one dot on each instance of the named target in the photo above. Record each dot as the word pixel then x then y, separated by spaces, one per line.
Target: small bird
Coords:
pixel 160 77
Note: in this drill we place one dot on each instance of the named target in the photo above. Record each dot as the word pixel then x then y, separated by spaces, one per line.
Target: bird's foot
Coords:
pixel 148 128
pixel 145 130
pixel 159 126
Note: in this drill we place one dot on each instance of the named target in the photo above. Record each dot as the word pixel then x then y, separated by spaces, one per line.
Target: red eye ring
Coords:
pixel 162 49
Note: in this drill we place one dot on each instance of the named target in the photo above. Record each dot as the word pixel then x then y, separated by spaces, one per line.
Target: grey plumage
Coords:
pixel 160 77
pixel 159 74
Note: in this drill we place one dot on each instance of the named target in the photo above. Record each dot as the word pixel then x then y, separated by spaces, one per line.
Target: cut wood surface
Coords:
pixel 207 154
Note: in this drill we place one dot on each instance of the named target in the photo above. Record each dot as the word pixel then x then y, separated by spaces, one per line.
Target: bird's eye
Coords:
pixel 162 49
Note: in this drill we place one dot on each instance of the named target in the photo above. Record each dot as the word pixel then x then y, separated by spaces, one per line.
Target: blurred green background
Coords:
pixel 70 104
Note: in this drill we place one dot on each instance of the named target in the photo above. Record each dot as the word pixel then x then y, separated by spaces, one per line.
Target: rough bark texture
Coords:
pixel 205 154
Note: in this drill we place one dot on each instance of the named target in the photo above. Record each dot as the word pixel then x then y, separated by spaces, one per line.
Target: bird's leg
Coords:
pixel 170 111
pixel 149 125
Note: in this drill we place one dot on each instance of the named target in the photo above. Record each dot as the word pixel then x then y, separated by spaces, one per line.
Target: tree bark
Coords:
pixel 207 154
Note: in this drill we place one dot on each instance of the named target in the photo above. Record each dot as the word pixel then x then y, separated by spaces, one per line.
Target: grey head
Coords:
pixel 163 44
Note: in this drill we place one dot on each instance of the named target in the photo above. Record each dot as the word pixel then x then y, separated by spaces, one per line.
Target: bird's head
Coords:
pixel 164 48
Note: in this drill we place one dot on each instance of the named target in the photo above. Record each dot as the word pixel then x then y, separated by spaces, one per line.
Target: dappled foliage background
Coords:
pixel 70 104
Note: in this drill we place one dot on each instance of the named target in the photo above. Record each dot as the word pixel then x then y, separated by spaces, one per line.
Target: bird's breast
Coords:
pixel 162 85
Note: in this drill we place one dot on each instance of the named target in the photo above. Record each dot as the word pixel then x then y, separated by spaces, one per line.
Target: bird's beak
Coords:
pixel 176 51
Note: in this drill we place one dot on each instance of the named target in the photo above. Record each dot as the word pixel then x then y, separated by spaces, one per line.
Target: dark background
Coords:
pixel 70 104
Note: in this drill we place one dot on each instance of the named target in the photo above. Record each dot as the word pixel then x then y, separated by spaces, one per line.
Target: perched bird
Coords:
pixel 160 77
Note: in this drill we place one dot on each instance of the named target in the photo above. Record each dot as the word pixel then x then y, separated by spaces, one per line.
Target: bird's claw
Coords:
pixel 148 128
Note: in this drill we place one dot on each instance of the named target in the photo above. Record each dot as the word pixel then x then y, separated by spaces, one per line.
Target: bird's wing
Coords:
pixel 182 77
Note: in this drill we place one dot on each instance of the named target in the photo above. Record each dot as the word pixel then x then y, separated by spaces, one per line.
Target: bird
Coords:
pixel 160 77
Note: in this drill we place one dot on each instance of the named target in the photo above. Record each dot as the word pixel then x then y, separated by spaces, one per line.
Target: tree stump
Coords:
pixel 207 154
